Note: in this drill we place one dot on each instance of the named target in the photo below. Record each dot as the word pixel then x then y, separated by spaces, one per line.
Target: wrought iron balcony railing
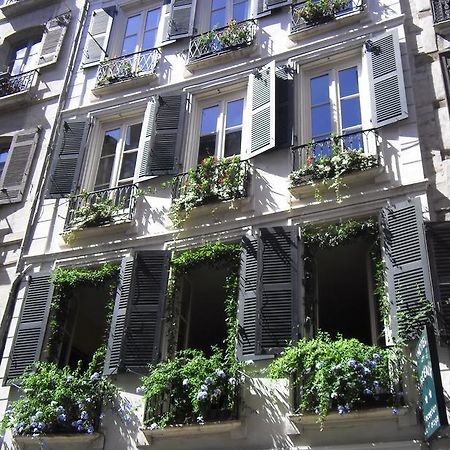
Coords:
pixel 14 84
pixel 303 18
pixel 231 37
pixel 114 205
pixel 127 67
pixel 441 10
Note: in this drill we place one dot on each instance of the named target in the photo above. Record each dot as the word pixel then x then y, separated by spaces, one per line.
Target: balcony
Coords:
pixel 13 7
pixel 102 208
pixel 15 89
pixel 133 70
pixel 229 40
pixel 350 159
pixel 441 14
pixel 306 15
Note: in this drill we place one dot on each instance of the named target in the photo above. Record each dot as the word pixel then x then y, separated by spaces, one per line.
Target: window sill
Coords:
pixel 128 83
pixel 21 6
pixel 61 441
pixel 15 100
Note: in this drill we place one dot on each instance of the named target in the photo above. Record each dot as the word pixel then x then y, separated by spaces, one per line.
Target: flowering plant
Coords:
pixel 320 11
pixel 56 400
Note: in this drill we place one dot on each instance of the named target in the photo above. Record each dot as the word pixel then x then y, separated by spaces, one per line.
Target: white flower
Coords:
pixel 140 390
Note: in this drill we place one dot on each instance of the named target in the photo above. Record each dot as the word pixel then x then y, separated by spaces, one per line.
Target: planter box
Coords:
pixel 78 441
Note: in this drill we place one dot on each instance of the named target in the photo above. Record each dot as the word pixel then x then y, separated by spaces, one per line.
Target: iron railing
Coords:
pixel 366 141
pixel 219 182
pixel 114 205
pixel 441 10
pixel 231 37
pixel 14 84
pixel 299 22
pixel 127 67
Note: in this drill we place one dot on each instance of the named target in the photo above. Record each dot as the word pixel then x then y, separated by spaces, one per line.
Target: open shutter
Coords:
pixel 98 35
pixel 262 109
pixel 387 87
pixel 284 107
pixel 55 30
pixel 165 145
pixel 17 166
pixel 268 5
pixel 69 157
pixel 181 23
pixel 408 276
pixel 438 239
pixel 116 334
pixel 28 341
pixel 147 135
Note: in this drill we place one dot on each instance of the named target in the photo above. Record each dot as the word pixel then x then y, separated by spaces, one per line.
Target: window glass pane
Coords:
pixel 33 57
pixel 3 157
pixel 218 19
pixel 350 112
pixel 130 38
pixel 104 173
pixel 217 4
pixel 133 25
pixel 152 19
pixel 235 110
pixel 348 81
pixel 207 147
pixel 110 142
pixel 17 59
pixel 128 165
pixel 209 120
pixel 240 10
pixel 232 143
pixel 319 89
pixel 149 39
pixel 321 120
pixel 129 45
pixel 132 136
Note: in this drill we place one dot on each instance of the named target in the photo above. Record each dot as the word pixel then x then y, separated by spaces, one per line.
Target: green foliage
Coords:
pixel 56 400
pixel 100 212
pixel 71 277
pixel 412 317
pixel 196 387
pixel 314 12
pixel 341 373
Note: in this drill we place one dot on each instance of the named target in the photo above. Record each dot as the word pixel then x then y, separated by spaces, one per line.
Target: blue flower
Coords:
pixel 217 392
pixel 367 392
pixel 95 376
pixel 220 373
pixel 41 425
pixel 394 410
pixel 84 415
pixel 202 395
pixel 140 390
pixel 341 409
pixel 367 371
pixel 185 382
pixel 60 409
pixel 352 363
pixel 90 429
pixel 203 387
pixel 208 380
pixel 62 418
pixel 376 356
pixel 80 428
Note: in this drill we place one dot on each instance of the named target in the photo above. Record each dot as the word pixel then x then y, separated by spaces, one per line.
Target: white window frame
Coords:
pixel 205 18
pixel 29 44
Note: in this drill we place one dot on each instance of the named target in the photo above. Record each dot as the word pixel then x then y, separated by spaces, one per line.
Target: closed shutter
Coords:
pixel 387 87
pixel 408 276
pixel 68 158
pixel 18 166
pixel 262 109
pixel 55 30
pixel 181 23
pixel 147 135
pixel 438 238
pixel 165 145
pixel 32 325
pixel 98 35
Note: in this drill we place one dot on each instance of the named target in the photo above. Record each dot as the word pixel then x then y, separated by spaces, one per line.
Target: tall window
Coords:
pixel 118 156
pixel 141 32
pixel 25 57
pixel 221 128
pixel 4 149
pixel 222 11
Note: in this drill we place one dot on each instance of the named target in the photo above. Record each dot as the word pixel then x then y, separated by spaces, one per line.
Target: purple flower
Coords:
pixel 352 363
pixel 84 415
pixel 90 429
pixel 367 392
pixel 394 410
pixel 208 380
pixel 60 409
pixel 220 373
pixel 202 395
pixel 376 356
pixel 367 371
pixel 341 410
pixel 62 418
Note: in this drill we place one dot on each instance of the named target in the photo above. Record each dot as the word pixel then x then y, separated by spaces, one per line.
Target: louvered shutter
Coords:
pixel 387 88
pixel 406 259
pixel 268 5
pixel 165 146
pixel 438 239
pixel 68 158
pixel 32 325
pixel 55 30
pixel 181 23
pixel 17 166
pixel 98 36
pixel 248 280
pixel 143 328
pixel 116 334
pixel 147 135
pixel 262 109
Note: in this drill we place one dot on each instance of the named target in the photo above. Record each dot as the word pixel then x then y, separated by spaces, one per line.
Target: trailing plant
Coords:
pixel 60 400
pixel 340 374
pixel 235 33
pixel 313 12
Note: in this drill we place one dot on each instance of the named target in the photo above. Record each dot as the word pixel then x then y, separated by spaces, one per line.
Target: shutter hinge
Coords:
pixel 372 48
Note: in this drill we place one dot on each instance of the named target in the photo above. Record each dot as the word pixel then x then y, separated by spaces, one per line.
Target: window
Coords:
pixel 4 149
pixel 223 11
pixel 25 57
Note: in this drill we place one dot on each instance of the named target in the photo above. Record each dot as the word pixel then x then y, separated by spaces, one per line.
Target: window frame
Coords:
pixel 28 45
pixel 205 19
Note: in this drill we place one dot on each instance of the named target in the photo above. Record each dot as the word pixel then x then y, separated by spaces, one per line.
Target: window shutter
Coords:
pixel 98 35
pixel 147 134
pixel 387 87
pixel 262 109
pixel 268 5
pixel 284 109
pixel 55 30
pixel 165 146
pixel 438 238
pixel 32 325
pixel 181 23
pixel 69 156
pixel 17 166
pixel 406 263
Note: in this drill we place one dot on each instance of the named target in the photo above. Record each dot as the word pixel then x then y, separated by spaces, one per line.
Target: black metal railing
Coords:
pixel 367 141
pixel 301 20
pixel 89 209
pixel 14 84
pixel 127 67
pixel 441 10
pixel 231 37
pixel 218 182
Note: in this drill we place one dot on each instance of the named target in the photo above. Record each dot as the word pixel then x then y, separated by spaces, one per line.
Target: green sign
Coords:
pixel 432 397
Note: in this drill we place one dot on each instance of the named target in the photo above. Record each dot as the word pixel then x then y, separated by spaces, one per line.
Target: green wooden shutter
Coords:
pixel 408 276
pixel 18 166
pixel 438 239
pixel 68 158
pixel 387 87
pixel 55 30
pixel 32 325
pixel 262 109
pixel 147 135
pixel 181 23
pixel 98 35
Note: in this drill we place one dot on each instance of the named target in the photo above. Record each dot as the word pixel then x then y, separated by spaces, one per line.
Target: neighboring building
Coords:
pixel 157 88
